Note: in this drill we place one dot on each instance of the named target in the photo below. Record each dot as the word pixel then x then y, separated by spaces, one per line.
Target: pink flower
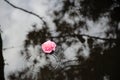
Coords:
pixel 48 46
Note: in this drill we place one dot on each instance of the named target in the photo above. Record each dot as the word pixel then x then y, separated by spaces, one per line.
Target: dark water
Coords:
pixel 103 60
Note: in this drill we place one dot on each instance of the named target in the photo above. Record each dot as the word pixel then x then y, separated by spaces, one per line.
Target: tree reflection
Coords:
pixel 101 62
pixel 97 65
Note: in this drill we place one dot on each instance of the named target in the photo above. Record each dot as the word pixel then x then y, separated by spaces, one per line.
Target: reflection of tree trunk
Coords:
pixel 1 61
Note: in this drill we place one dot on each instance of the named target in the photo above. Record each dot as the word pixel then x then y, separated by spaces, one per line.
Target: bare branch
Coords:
pixel 12 47
pixel 106 39
pixel 93 37
pixel 30 12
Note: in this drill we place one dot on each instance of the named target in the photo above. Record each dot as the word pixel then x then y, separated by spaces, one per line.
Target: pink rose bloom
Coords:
pixel 48 46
